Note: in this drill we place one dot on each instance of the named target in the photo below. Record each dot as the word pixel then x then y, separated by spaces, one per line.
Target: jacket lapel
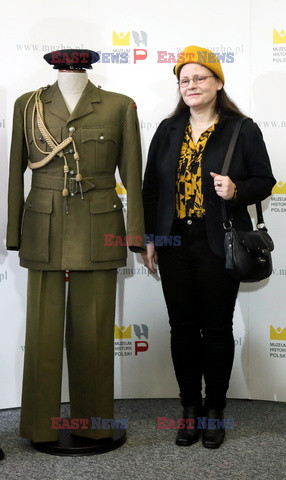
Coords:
pixel 176 133
pixel 84 107
pixel 58 107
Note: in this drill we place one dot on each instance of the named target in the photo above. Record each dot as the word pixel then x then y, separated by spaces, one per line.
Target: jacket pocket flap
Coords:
pixel 104 201
pixel 99 134
pixel 39 201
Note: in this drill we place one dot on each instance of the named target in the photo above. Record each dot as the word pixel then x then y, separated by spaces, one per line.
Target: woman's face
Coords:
pixel 202 95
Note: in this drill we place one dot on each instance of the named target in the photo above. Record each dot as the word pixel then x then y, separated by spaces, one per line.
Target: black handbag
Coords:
pixel 248 254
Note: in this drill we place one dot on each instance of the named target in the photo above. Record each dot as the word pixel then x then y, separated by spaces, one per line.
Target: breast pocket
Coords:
pixel 102 145
pixel 107 227
pixel 35 238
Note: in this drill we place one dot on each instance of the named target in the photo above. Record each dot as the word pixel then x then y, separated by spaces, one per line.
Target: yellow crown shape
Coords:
pixel 279 37
pixel 122 332
pixel 280 187
pixel 121 38
pixel 277 334
pixel 120 190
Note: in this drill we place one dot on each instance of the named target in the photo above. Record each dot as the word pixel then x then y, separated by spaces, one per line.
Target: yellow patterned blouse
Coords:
pixel 189 196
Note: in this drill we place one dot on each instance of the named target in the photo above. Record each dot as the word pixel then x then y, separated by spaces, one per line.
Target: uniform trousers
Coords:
pixel 200 296
pixel 89 310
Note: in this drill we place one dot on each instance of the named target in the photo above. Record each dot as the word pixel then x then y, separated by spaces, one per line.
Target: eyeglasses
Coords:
pixel 196 79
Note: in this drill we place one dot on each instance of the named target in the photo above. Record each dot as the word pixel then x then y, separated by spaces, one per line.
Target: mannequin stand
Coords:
pixel 72 445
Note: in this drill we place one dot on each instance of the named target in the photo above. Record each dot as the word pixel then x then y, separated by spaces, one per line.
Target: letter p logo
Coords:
pixel 141 346
pixel 140 56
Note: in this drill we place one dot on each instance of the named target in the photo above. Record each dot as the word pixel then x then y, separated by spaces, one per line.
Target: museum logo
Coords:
pixel 279 188
pixel 278 198
pixel 128 340
pixel 277 333
pixel 127 47
pixel 278 346
pixel 279 37
pixel 128 38
pixel 279 46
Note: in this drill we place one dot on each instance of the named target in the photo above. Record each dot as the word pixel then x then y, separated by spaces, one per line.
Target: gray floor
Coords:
pixel 254 449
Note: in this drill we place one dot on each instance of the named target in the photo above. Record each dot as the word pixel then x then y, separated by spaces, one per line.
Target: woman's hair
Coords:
pixel 224 105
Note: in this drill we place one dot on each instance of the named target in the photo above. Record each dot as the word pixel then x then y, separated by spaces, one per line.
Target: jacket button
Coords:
pixel 212 204
pixel 71 129
pixel 114 206
pixel 189 222
pixel 71 150
pixel 71 172
pixel 41 139
pixel 101 137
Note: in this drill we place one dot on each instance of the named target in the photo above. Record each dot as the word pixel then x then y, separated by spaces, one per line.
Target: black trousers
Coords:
pixel 200 296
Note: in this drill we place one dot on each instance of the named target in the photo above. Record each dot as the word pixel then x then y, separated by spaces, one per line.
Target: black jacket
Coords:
pixel 250 170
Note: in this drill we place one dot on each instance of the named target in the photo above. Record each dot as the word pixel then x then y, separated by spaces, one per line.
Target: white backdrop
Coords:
pixel 145 38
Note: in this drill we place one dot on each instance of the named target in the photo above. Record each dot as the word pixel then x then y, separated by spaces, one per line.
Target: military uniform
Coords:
pixel 55 233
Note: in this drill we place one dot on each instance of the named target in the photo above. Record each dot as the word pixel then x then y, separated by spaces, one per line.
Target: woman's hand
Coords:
pixel 150 257
pixel 223 185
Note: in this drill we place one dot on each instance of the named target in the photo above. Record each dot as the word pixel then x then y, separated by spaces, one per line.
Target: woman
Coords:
pixel 182 195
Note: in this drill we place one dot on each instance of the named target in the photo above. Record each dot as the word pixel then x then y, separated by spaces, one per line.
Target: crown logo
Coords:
pixel 120 190
pixel 277 334
pixel 279 37
pixel 121 38
pixel 122 332
pixel 280 187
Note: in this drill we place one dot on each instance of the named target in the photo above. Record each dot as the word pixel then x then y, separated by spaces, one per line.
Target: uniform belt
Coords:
pixel 51 182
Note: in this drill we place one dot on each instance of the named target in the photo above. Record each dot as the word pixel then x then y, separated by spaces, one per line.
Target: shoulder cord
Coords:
pixel 57 148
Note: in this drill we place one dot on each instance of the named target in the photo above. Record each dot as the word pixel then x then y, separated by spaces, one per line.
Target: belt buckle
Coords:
pixel 73 186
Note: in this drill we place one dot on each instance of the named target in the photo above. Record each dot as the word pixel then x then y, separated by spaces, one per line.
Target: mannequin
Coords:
pixel 72 83
pixel 72 136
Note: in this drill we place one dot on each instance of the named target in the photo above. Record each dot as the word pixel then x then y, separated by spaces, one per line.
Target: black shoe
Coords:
pixel 213 435
pixel 189 434
pixel 1 454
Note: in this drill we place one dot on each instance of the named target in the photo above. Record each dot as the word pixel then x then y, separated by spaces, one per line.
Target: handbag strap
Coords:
pixel 224 171
pixel 232 143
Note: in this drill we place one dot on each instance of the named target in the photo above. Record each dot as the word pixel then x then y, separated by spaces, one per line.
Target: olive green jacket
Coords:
pixel 53 232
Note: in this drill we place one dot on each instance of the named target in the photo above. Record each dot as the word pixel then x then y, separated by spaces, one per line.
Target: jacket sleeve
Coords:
pixel 18 165
pixel 259 180
pixel 130 170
